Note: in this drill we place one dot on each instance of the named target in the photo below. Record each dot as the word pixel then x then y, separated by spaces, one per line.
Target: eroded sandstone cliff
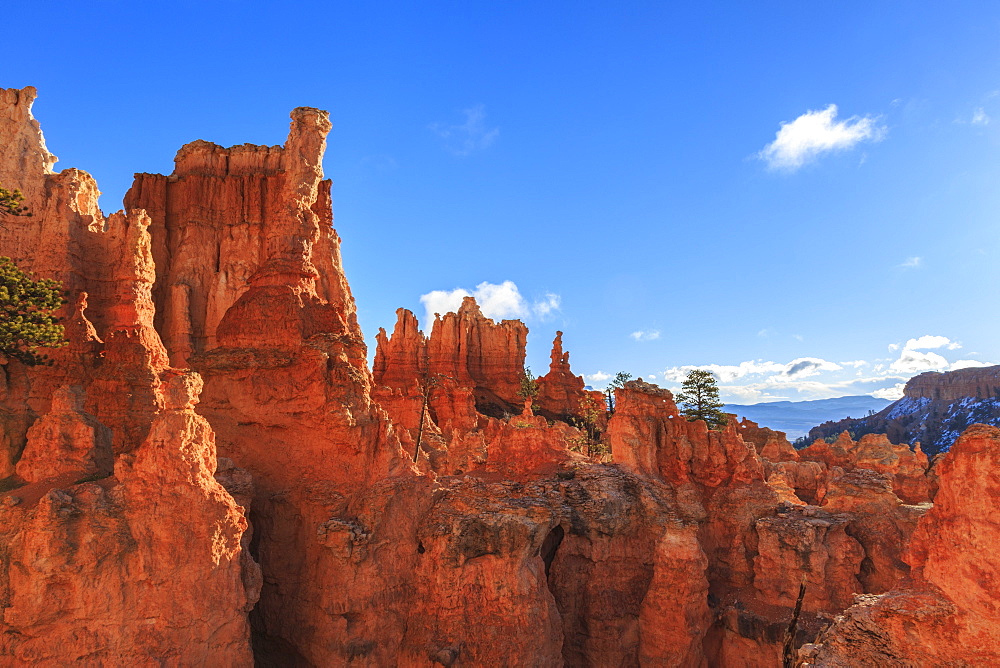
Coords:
pixel 210 474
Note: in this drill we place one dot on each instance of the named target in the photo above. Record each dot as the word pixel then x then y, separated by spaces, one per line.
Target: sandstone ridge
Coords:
pixel 211 474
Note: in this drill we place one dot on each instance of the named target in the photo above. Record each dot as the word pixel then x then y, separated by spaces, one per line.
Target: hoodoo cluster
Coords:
pixel 210 473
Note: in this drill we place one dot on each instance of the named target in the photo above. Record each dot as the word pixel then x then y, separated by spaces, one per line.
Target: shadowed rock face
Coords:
pixel 282 502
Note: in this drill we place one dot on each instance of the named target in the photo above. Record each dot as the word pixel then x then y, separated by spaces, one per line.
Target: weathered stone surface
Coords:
pixel 560 391
pixel 945 615
pixel 505 538
pixel 147 565
pixel 66 442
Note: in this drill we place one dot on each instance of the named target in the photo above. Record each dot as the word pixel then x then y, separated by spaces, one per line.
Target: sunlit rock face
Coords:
pixel 946 612
pixel 210 473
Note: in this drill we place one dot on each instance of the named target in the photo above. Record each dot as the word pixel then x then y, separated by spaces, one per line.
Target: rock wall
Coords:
pixel 210 474
pixel 117 545
pixel 946 613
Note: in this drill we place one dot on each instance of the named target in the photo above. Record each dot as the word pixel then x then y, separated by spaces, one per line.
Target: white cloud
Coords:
pixel 725 373
pixel 979 116
pixel 650 335
pixel 930 341
pixel 913 362
pixel 891 393
pixel 470 136
pixel 496 300
pixel 546 306
pixel 807 378
pixel 442 301
pixel 966 364
pixel 911 262
pixel 798 368
pixel 598 377
pixel 651 376
pixel 816 132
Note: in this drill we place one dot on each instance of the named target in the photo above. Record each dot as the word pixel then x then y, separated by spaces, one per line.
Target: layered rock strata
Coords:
pixel 420 513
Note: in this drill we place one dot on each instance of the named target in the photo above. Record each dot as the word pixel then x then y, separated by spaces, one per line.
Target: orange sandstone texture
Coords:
pixel 947 613
pixel 497 541
pixel 118 546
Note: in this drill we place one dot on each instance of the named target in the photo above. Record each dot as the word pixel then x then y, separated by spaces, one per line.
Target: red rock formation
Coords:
pixel 882 523
pixel 815 546
pixel 978 382
pixel 145 564
pixel 66 442
pixel 148 563
pixel 649 436
pixel 222 214
pixel 559 391
pixel 946 615
pixel 501 545
pixel 908 468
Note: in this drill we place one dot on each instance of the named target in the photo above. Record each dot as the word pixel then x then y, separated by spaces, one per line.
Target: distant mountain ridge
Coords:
pixel 936 407
pixel 796 418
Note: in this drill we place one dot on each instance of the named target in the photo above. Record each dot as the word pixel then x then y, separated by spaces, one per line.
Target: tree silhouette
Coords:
pixel 699 399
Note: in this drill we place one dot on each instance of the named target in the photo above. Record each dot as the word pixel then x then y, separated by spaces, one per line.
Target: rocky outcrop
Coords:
pixel 946 614
pixel 907 468
pixel 935 409
pixel 560 392
pixel 226 212
pixel 66 442
pixel 144 565
pixel 147 564
pixel 950 386
pixel 420 513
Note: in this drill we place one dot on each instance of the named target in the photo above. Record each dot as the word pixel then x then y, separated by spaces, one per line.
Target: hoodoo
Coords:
pixel 209 472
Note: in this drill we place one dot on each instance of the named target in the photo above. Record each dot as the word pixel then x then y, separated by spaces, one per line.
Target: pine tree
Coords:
pixel 619 381
pixel 699 399
pixel 26 320
pixel 529 385
pixel 11 203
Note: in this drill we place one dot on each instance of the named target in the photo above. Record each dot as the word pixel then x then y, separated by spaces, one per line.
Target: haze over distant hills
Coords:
pixel 796 418
pixel 935 409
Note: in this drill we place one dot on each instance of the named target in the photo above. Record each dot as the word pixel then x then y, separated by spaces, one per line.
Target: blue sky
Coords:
pixel 804 195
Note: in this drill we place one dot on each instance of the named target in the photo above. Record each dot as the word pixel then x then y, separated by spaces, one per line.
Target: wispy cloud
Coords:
pixel 649 335
pixel 980 117
pixel 891 393
pixel 932 341
pixel 816 378
pixel 815 133
pixel 496 301
pixel 911 262
pixel 470 136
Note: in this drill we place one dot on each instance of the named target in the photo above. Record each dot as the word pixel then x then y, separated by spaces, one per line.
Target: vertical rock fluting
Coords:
pixel 145 566
pixel 946 614
pixel 501 545
pixel 478 353
pixel 287 388
pixel 223 215
pixel 100 568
